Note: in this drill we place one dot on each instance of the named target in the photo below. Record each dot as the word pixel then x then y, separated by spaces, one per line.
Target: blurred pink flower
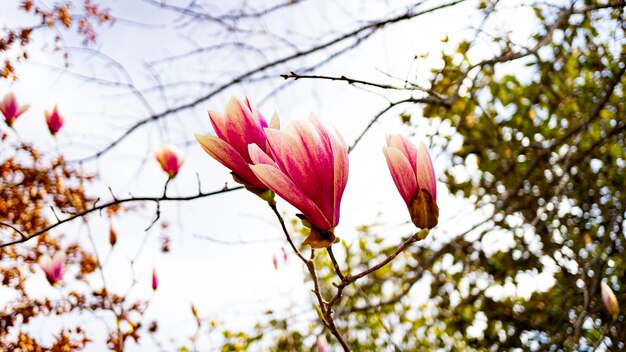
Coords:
pixel 54 120
pixel 242 124
pixel 308 167
pixel 53 267
pixel 322 344
pixel 609 299
pixel 170 159
pixel 155 279
pixel 275 262
pixel 285 255
pixel 412 171
pixel 11 109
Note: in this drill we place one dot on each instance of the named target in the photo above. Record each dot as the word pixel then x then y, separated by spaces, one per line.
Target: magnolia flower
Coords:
pixel 54 120
pixel 53 267
pixel 170 159
pixel 10 108
pixel 242 124
pixel 155 279
pixel 609 299
pixel 275 262
pixel 322 344
pixel 308 167
pixel 414 176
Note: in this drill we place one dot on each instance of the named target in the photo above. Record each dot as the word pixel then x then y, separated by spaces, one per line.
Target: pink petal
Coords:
pixel 308 158
pixel 229 157
pixel 275 122
pixel 405 146
pixel 274 145
pixel 258 156
pixel 425 171
pixel 242 128
pixel 278 182
pixel 402 173
pixel 340 153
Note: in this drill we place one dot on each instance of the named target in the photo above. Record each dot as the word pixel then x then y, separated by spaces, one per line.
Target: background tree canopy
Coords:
pixel 531 132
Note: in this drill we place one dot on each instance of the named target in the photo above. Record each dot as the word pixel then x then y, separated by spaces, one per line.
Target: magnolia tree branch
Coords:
pixel 372 26
pixel 164 198
pixel 325 311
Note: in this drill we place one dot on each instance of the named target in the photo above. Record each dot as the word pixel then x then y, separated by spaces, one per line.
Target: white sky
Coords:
pixel 230 283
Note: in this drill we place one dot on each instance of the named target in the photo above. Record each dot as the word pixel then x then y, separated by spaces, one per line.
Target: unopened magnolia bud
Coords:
pixel 275 262
pixel 112 234
pixel 609 300
pixel 194 311
pixel 424 211
pixel 155 280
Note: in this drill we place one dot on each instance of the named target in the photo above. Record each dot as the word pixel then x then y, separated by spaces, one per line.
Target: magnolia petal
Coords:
pixel 308 159
pixel 23 109
pixel 274 145
pixel 278 182
pixel 405 146
pixel 218 122
pixel 275 121
pixel 258 156
pixel 258 117
pixel 341 169
pixel 402 173
pixel 229 157
pixel 242 128
pixel 425 171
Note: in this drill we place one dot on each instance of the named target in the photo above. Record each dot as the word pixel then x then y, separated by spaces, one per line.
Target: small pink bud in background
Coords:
pixel 194 311
pixel 275 261
pixel 609 299
pixel 11 109
pixel 322 344
pixel 155 279
pixel 285 255
pixel 170 159
pixel 53 267
pixel 412 172
pixel 54 120
pixel 112 233
pixel 307 167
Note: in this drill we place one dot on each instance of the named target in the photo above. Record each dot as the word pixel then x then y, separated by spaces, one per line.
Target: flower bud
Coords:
pixel 170 159
pixel 11 109
pixel 54 120
pixel 609 300
pixel 53 267
pixel 112 234
pixel 155 279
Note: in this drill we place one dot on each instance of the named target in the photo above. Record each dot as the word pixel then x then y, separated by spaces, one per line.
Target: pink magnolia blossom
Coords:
pixel 170 159
pixel 322 344
pixel 275 262
pixel 308 167
pixel 11 109
pixel 242 124
pixel 412 171
pixel 53 267
pixel 609 299
pixel 54 120
pixel 155 279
